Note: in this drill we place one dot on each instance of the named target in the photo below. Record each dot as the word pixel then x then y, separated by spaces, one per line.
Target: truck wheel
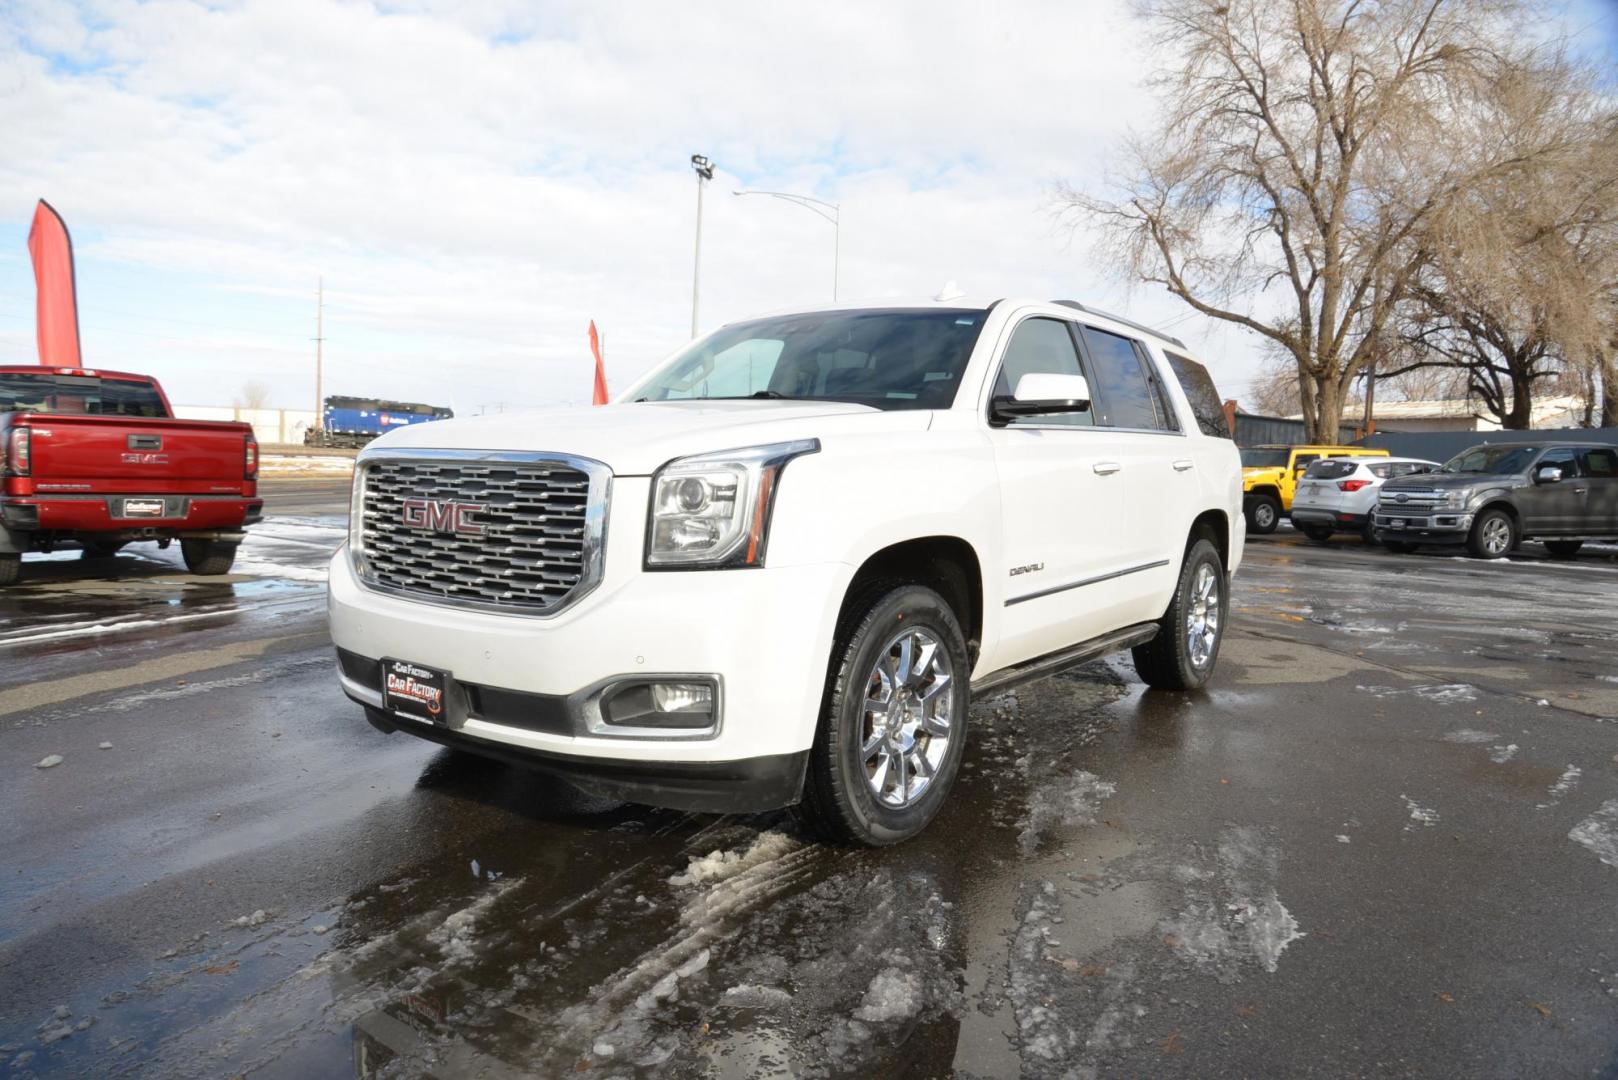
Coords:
pixel 1320 534
pixel 893 721
pixel 1263 514
pixel 207 557
pixel 1182 655
pixel 99 551
pixel 1399 547
pixel 1493 535
pixel 10 569
pixel 1563 549
pixel 1369 533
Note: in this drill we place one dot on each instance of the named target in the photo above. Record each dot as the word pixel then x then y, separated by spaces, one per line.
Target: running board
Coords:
pixel 1038 668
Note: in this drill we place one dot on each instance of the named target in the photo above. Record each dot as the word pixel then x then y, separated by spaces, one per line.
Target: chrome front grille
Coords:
pixel 1415 499
pixel 520 533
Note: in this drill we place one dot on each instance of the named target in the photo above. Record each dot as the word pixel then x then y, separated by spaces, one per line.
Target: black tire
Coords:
pixel 207 557
pixel 1399 547
pixel 1263 514
pixel 1369 534
pixel 1493 535
pixel 1320 534
pixel 838 801
pixel 1165 662
pixel 99 551
pixel 10 569
pixel 1563 549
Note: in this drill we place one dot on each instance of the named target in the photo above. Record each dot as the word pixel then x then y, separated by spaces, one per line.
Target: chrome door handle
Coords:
pixel 1183 464
pixel 1106 468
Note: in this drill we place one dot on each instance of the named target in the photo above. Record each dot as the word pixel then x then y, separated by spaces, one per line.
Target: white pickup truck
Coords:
pixel 776 570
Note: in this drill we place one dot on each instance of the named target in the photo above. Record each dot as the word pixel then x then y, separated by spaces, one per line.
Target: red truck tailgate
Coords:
pixel 114 454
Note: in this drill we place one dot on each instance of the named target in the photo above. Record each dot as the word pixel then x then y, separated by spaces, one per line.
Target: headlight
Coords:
pixel 356 519
pixel 1454 500
pixel 713 510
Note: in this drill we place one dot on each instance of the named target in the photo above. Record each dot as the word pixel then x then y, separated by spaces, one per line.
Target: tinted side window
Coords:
pixel 1201 393
pixel 1600 464
pixel 1045 347
pixel 1123 395
pixel 1566 460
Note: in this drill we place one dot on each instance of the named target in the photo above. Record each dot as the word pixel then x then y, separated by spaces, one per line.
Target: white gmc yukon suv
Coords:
pixel 776 570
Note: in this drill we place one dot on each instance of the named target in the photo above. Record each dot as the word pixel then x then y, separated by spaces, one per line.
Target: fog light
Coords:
pixel 682 697
pixel 678 706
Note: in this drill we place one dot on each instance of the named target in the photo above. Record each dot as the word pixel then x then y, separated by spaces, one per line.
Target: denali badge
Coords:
pixel 442 515
pixel 1031 568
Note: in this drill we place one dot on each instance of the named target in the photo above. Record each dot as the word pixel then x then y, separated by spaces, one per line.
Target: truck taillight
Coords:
pixel 18 445
pixel 250 458
pixel 1352 485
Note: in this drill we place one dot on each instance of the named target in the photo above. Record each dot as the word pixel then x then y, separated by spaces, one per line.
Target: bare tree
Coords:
pixel 253 395
pixel 1303 146
pixel 1516 288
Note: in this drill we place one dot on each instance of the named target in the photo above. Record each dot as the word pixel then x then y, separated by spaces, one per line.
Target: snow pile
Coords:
pixel 1599 832
pixel 1241 918
pixel 49 761
pixel 717 866
pixel 293 464
pixel 1419 815
pixel 892 995
pixel 1568 781
pixel 1440 694
pixel 1065 803
pixel 454 937
pixel 1502 754
pixel 257 918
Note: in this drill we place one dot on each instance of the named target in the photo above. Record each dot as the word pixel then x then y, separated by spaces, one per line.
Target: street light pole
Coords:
pixel 704 170
pixel 815 206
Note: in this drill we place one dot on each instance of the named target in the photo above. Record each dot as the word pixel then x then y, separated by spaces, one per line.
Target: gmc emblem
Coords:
pixel 442 515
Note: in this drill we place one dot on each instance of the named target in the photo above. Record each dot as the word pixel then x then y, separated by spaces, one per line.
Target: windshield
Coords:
pixel 78 394
pixel 1493 460
pixel 884 358
pixel 1264 459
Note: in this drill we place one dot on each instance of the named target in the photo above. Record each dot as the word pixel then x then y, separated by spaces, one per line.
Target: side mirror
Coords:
pixel 1548 474
pixel 1042 394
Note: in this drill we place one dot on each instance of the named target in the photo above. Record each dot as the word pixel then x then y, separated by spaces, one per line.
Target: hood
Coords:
pixel 634 439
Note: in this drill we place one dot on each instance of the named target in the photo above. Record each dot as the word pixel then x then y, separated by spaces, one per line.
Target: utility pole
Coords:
pixel 320 341
pixel 704 169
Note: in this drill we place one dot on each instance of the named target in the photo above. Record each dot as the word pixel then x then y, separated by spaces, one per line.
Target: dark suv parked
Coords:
pixel 1493 497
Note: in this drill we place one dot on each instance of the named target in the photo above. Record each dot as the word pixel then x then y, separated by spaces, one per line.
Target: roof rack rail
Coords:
pixel 1076 306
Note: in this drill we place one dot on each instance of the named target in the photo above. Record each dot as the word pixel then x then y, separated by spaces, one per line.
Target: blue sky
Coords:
pixel 476 181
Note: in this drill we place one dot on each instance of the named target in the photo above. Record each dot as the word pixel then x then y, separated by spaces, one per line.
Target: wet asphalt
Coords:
pixel 1384 842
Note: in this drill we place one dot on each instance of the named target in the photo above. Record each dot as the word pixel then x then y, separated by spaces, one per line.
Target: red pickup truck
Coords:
pixel 96 459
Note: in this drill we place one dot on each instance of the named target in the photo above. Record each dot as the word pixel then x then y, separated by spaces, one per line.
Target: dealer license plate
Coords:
pixel 415 691
pixel 1396 523
pixel 134 508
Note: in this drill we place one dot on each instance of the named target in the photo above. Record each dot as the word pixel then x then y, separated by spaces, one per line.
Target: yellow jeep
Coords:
pixel 1270 476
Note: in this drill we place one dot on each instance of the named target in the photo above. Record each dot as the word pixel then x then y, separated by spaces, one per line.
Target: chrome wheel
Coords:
pixel 1496 535
pixel 1264 515
pixel 1202 617
pixel 908 717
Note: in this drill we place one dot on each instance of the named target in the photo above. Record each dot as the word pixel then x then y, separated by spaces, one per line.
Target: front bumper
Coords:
pixel 1425 526
pixel 764 635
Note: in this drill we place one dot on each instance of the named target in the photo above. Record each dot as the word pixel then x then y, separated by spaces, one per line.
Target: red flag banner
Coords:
pixel 57 308
pixel 600 395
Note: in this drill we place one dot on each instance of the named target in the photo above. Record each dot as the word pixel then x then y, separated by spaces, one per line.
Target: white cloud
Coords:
pixel 476 181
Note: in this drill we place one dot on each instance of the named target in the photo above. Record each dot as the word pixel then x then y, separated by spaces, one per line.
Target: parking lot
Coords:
pixel 1385 842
